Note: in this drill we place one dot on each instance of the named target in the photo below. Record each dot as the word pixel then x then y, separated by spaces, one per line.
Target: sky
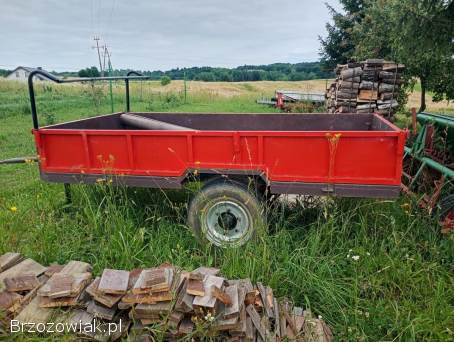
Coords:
pixel 160 34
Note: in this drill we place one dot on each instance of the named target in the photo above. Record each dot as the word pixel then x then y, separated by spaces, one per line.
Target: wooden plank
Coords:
pixel 47 302
pixel 9 299
pixel 147 298
pixel 195 287
pixel 223 324
pixel 155 277
pixel 28 266
pixel 105 299
pixel 59 285
pixel 207 270
pixel 8 260
pixel 21 283
pixel 208 300
pixel 75 266
pixel 65 285
pixel 234 308
pixel 241 326
pixel 262 331
pixel 184 300
pixel 283 323
pixel 265 300
pixel 365 94
pixel 33 313
pixel 81 319
pixel 250 335
pixel 221 295
pixel 52 269
pixel 277 318
pixel 101 311
pixel 186 326
pixel 154 280
pixel 157 308
pixel 114 281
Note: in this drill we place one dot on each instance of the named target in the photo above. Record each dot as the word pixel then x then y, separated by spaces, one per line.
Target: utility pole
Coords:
pixel 109 73
pixel 97 47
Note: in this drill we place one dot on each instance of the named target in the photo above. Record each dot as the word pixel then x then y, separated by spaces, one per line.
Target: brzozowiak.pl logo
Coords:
pixel 93 327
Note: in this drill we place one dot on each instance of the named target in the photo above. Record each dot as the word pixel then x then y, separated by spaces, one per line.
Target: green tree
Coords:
pixel 339 46
pixel 165 80
pixel 205 76
pixel 89 72
pixel 417 33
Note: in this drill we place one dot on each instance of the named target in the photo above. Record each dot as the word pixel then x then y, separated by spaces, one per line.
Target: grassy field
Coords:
pixel 401 288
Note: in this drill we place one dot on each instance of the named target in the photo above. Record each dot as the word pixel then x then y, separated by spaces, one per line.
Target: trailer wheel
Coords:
pixel 224 213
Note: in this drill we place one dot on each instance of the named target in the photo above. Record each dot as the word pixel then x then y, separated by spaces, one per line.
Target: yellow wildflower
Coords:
pixel 13 209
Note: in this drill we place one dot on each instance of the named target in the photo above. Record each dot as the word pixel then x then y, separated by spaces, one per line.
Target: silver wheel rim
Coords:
pixel 226 223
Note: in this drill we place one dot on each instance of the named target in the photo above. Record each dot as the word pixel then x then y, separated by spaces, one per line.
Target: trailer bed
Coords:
pixel 357 155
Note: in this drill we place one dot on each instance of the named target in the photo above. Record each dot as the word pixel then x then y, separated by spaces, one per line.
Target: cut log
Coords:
pixel 351 73
pixel 387 96
pixel 374 62
pixel 137 121
pixel 344 95
pixel 348 85
pixel 366 106
pixel 368 85
pixel 386 88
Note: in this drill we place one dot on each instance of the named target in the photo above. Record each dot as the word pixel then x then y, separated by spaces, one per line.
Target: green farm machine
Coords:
pixel 429 165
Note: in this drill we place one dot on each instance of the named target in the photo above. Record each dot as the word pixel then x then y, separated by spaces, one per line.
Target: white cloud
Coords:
pixel 160 34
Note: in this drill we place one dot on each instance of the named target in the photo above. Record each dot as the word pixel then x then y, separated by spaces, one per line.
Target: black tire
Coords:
pixel 225 214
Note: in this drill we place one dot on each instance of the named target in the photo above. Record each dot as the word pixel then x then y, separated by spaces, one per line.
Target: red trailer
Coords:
pixel 354 155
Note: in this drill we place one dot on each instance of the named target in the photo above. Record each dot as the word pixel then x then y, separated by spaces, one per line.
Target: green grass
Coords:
pixel 400 288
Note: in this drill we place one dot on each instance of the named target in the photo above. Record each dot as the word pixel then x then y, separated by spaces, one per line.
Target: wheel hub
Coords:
pixel 226 221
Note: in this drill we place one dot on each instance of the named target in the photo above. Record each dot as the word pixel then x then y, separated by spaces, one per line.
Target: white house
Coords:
pixel 21 74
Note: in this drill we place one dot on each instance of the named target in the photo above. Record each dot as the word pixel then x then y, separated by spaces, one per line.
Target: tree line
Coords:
pixel 417 33
pixel 271 72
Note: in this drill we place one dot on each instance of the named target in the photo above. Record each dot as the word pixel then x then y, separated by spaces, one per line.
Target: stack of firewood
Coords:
pixel 163 302
pixel 371 86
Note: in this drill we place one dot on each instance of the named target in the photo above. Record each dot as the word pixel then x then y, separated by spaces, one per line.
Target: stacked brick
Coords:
pixel 371 86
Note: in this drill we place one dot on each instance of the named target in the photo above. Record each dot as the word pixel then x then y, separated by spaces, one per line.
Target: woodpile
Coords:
pixel 166 300
pixel 371 86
